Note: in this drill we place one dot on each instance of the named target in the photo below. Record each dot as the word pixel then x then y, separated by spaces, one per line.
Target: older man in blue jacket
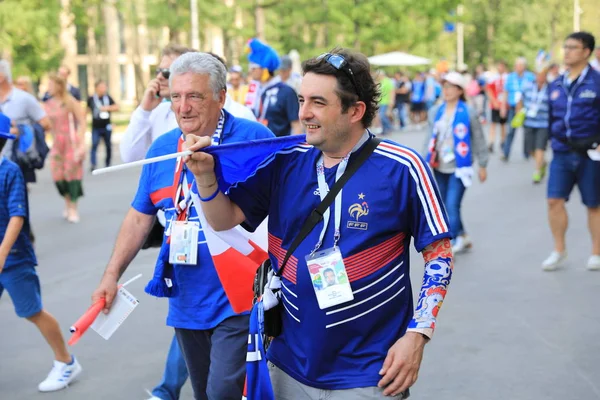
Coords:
pixel 575 130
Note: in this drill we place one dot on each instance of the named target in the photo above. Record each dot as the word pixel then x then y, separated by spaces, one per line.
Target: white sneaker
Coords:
pixel 554 260
pixel 461 243
pixel 60 376
pixel 152 397
pixel 593 263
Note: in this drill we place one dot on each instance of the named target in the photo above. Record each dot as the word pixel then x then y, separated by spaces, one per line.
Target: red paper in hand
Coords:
pixel 84 322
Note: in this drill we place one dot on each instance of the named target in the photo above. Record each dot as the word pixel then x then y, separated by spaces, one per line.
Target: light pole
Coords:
pixel 576 16
pixel 194 20
pixel 460 39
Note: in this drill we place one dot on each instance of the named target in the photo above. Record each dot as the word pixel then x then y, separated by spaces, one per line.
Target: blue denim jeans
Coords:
pixel 511 133
pixel 104 134
pixel 568 169
pixel 401 108
pixel 175 374
pixel 386 124
pixel 452 191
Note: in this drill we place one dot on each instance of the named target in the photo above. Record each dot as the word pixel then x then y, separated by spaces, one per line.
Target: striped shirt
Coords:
pixel 536 103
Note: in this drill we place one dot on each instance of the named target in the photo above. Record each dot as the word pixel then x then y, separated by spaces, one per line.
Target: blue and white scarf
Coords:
pixel 461 130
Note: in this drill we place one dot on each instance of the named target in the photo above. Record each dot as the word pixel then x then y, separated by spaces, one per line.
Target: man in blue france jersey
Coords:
pixel 369 347
pixel 212 337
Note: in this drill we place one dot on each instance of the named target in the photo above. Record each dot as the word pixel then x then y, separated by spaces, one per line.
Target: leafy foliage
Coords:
pixel 494 29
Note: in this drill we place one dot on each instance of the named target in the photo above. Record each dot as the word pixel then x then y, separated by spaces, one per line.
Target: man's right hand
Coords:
pixel 151 97
pixel 200 163
pixel 107 290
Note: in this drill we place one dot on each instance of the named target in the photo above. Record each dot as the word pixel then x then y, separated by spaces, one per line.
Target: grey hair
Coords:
pixel 203 64
pixel 521 60
pixel 5 70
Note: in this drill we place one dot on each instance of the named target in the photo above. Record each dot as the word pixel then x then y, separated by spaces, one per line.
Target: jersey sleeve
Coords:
pixel 17 201
pixel 254 195
pixel 428 218
pixel 142 201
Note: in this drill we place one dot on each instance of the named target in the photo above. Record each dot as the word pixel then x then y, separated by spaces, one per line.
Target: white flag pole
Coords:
pixel 152 160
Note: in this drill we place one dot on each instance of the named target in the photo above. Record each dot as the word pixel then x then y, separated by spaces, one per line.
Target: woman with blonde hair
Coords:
pixel 68 151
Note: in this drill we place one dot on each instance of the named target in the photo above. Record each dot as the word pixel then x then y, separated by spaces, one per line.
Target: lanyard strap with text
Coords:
pixel 324 189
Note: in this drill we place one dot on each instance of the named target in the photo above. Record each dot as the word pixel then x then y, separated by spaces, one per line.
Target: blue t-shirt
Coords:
pixel 13 203
pixel 202 302
pixel 516 84
pixel 391 198
pixel 279 108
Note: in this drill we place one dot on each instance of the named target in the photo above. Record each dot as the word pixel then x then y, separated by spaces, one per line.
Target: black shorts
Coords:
pixel 535 139
pixel 417 107
pixel 496 119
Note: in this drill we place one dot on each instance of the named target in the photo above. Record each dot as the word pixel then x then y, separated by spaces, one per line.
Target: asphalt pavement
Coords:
pixel 507 330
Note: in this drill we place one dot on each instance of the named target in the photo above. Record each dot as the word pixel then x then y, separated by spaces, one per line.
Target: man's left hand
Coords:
pixel 401 366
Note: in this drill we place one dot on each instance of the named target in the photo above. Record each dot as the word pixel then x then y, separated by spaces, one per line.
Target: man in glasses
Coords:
pixel 575 132
pixel 153 118
pixel 369 347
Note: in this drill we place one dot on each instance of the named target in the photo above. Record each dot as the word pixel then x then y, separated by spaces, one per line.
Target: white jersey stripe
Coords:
pixel 366 312
pixel 425 181
pixel 427 212
pixel 286 288
pixel 367 299
pixel 288 301
pixel 380 279
pixel 289 312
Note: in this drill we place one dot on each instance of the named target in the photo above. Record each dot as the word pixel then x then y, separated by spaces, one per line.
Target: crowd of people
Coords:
pixel 359 246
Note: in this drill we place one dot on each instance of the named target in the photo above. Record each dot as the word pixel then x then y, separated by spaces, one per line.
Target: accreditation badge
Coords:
pixel 532 111
pixel 448 154
pixel 329 278
pixel 104 115
pixel 184 243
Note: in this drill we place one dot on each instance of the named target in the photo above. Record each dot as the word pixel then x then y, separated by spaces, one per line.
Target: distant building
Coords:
pixel 114 55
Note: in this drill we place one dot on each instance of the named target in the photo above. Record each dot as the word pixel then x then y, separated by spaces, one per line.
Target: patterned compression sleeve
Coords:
pixel 438 271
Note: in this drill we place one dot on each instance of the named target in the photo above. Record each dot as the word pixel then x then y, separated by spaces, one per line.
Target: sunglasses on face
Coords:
pixel 338 62
pixel 164 72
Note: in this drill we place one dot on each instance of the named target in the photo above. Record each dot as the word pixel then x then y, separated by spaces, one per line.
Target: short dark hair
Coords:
pixel 586 39
pixel 368 90
pixel 175 50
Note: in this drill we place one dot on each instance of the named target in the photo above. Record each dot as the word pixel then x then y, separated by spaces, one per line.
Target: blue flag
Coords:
pixel 258 382
pixel 235 162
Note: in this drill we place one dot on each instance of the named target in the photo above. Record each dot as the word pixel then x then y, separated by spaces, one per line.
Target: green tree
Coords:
pixel 30 36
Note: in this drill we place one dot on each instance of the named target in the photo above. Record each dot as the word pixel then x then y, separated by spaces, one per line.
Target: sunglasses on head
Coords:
pixel 164 72
pixel 338 62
